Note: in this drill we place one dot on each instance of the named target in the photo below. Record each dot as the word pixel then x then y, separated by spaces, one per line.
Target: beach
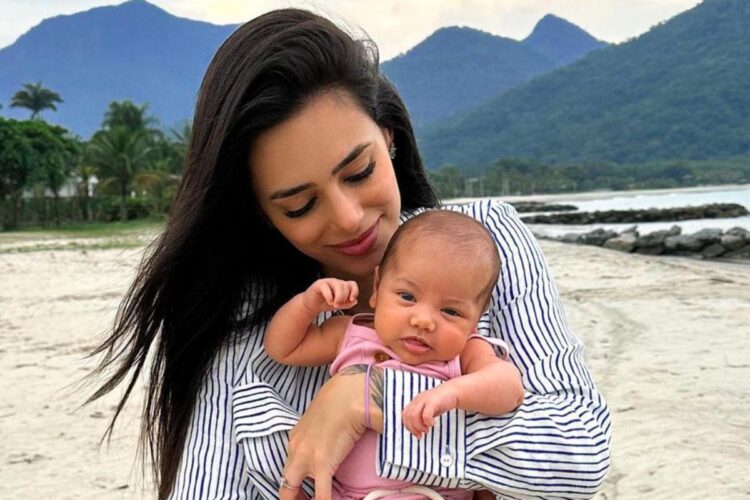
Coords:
pixel 667 341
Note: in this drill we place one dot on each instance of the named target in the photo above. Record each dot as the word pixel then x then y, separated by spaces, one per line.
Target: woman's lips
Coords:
pixel 362 244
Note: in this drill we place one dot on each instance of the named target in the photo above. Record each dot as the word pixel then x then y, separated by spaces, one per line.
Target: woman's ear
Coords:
pixel 375 282
pixel 388 136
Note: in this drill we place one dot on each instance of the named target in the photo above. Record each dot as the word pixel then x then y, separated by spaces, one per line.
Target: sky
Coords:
pixel 395 25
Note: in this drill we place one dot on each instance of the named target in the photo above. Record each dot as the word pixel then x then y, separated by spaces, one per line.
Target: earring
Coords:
pixel 392 151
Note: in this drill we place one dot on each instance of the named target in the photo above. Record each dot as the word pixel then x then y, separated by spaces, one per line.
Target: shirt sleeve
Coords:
pixel 237 438
pixel 212 463
pixel 557 443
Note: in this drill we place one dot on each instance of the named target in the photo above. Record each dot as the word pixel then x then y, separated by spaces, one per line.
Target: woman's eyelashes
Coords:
pixel 300 211
pixel 352 179
pixel 362 174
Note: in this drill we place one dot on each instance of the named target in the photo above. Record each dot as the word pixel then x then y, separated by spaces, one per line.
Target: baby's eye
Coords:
pixel 451 312
pixel 406 296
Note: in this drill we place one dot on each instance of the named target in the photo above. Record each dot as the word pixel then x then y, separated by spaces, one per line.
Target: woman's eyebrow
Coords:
pixel 354 153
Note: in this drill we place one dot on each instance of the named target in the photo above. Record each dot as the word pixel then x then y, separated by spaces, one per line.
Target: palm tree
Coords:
pixel 119 154
pixel 129 115
pixel 85 173
pixel 35 98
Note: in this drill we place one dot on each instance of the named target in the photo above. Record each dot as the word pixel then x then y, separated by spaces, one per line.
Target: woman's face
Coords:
pixel 325 180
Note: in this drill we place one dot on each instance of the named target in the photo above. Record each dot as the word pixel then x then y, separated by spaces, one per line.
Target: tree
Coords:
pixel 118 154
pixel 36 98
pixel 54 155
pixel 15 167
pixel 130 116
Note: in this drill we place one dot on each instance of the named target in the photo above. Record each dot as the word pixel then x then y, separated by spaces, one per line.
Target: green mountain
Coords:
pixel 456 68
pixel 134 51
pixel 561 41
pixel 681 91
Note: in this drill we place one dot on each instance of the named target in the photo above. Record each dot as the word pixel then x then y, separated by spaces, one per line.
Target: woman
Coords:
pixel 301 162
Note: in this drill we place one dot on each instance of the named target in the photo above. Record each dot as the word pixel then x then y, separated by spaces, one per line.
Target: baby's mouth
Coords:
pixel 415 345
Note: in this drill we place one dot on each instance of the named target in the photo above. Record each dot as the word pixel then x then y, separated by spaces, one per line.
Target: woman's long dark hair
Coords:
pixel 219 269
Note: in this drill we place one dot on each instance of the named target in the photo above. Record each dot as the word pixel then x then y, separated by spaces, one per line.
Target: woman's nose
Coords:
pixel 347 212
pixel 422 320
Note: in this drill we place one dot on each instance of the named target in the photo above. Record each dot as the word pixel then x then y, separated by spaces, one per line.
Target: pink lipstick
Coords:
pixel 360 245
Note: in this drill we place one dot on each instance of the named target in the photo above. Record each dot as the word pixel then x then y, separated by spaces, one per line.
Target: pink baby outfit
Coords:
pixel 356 476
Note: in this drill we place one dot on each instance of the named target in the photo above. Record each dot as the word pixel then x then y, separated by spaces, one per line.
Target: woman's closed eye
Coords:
pixel 362 174
pixel 301 211
pixel 352 179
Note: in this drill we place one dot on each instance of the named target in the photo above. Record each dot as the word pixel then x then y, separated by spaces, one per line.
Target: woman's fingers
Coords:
pixel 326 433
pixel 323 485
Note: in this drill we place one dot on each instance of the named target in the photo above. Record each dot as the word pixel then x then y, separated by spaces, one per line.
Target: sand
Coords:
pixel 668 341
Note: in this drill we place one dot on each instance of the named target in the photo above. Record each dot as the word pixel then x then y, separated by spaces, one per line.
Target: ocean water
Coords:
pixel 637 200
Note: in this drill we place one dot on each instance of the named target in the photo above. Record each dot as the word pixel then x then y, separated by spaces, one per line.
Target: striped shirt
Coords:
pixel 555 445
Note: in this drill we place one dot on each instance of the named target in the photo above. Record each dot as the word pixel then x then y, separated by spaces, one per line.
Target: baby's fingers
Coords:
pixel 353 291
pixel 428 414
pixel 413 412
pixel 326 291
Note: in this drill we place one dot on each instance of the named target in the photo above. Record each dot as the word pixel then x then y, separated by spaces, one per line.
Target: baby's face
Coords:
pixel 427 306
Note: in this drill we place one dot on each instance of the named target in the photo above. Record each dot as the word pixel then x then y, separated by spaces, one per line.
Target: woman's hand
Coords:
pixel 327 432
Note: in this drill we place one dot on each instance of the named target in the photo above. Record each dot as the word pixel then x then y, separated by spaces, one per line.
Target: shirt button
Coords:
pixel 381 356
pixel 446 460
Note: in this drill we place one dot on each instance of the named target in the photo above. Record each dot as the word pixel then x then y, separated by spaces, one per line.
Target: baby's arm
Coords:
pixel 489 385
pixel 292 338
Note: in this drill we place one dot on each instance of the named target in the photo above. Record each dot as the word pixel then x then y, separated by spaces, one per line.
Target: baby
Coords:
pixel 434 282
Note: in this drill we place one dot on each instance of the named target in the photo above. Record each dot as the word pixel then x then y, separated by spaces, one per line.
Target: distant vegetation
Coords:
pixel 520 177
pixel 129 168
pixel 681 91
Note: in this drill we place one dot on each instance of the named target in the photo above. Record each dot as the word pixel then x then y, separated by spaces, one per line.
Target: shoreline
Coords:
pixel 600 195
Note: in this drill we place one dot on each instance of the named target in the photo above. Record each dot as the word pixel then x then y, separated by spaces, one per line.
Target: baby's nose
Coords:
pixel 423 321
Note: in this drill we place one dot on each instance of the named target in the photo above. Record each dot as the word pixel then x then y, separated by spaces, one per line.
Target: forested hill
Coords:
pixel 561 41
pixel 681 91
pixel 132 51
pixel 456 68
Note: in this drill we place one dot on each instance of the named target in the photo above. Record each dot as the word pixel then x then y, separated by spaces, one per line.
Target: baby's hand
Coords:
pixel 328 294
pixel 419 415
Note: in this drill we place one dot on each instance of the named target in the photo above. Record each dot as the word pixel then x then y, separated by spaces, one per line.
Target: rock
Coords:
pixel 623 243
pixel 652 250
pixel 713 251
pixel 537 206
pixel 708 236
pixel 596 237
pixel 713 211
pixel 741 253
pixel 732 242
pixel 631 230
pixel 654 239
pixel 741 232
pixel 570 238
pixel 674 231
pixel 687 243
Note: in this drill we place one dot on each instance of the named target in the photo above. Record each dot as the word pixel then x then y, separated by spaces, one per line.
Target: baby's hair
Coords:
pixel 465 235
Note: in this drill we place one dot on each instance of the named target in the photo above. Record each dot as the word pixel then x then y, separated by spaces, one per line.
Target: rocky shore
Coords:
pixel 712 211
pixel 706 243
pixel 524 207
